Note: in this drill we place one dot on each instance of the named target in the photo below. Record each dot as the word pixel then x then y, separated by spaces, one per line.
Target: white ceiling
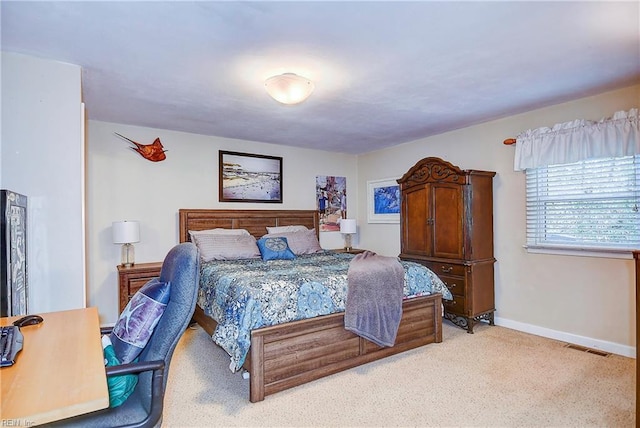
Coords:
pixel 385 73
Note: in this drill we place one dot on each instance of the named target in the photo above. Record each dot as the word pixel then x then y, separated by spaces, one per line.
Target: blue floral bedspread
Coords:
pixel 242 295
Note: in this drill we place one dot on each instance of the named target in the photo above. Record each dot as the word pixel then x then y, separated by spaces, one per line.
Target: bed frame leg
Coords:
pixel 256 380
pixel 439 310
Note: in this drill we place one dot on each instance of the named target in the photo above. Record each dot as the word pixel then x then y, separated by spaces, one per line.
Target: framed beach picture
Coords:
pixel 383 201
pixel 245 177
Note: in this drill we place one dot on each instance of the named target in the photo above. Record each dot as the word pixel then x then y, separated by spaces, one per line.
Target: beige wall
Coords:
pixel 584 300
pixel 43 158
pixel 124 186
pixel 587 300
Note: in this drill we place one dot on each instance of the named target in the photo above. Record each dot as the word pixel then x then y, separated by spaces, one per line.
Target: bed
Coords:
pixel 292 353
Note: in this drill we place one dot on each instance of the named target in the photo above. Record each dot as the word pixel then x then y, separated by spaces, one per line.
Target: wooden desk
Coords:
pixel 58 374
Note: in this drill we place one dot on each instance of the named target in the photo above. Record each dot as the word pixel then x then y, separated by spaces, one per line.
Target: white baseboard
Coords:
pixel 601 345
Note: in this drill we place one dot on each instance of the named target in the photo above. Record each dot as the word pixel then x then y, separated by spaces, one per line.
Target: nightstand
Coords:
pixel 351 251
pixel 131 279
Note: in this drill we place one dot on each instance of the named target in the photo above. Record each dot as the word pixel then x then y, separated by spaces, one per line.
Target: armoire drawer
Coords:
pixel 454 284
pixel 455 306
pixel 443 268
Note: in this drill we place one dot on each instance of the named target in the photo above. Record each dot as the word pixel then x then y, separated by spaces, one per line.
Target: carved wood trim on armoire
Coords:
pixel 446 224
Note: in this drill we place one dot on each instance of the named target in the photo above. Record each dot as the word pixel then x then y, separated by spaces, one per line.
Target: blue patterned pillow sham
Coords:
pixel 275 249
pixel 136 323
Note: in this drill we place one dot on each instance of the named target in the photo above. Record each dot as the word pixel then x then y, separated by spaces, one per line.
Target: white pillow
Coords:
pixel 300 242
pixel 219 231
pixel 281 229
pixel 226 246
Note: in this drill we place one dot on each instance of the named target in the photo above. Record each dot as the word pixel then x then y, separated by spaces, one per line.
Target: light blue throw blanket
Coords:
pixel 374 299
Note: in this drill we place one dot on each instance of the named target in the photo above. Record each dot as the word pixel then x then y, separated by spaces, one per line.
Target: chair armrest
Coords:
pixel 157 390
pixel 138 367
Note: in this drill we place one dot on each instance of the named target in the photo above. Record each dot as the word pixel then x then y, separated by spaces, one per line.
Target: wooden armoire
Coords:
pixel 446 224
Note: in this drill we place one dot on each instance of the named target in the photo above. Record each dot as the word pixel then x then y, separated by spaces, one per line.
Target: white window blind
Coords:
pixel 586 205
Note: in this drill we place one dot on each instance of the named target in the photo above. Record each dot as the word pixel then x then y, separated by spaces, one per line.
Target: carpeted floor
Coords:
pixel 496 377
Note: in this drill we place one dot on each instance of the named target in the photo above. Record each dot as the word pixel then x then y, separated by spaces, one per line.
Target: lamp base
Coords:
pixel 347 242
pixel 127 255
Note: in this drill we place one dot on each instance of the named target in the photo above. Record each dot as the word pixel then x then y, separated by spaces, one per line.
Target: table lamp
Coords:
pixel 348 227
pixel 125 233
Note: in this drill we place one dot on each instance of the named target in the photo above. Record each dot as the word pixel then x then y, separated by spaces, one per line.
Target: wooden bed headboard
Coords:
pixel 255 221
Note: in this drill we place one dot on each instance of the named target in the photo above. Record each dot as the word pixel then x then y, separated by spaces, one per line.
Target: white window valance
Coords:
pixel 579 140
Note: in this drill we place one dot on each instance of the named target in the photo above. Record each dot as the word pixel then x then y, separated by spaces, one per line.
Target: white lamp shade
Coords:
pixel 289 88
pixel 348 225
pixel 125 232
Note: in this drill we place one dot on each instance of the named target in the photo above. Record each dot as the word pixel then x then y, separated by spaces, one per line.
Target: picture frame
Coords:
pixel 331 201
pixel 246 177
pixel 383 201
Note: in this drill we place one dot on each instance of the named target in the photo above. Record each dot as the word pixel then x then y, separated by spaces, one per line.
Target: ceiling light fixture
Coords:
pixel 289 88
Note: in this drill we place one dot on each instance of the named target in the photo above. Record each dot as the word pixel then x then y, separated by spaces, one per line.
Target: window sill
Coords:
pixel 580 252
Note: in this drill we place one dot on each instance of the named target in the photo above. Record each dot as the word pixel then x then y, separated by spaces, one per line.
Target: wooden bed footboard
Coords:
pixel 295 353
pixel 302 351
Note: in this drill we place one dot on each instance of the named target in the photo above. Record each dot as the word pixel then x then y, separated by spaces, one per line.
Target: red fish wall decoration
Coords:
pixel 153 152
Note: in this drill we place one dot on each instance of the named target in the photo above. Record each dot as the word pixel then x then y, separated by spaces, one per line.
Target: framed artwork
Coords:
pixel 245 177
pixel 383 201
pixel 331 200
pixel 13 253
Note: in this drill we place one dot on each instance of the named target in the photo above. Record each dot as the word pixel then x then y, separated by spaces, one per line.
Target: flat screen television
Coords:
pixel 13 254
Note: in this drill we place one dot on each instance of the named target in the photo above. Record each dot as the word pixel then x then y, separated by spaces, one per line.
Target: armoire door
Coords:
pixel 416 228
pixel 447 208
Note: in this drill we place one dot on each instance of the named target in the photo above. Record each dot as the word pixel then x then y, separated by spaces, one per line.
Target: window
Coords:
pixel 589 205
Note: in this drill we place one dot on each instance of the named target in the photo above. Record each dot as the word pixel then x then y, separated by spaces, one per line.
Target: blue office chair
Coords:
pixel 143 408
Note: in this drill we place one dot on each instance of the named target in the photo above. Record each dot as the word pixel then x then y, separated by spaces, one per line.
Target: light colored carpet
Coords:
pixel 495 377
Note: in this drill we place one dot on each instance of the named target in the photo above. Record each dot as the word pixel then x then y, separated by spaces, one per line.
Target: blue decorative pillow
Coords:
pixel 275 249
pixel 136 323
